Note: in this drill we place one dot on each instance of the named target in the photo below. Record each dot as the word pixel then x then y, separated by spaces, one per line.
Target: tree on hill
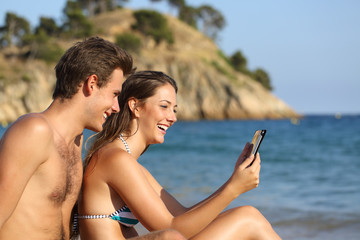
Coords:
pixel 212 21
pixel 94 7
pixel 154 24
pixel 189 15
pixel 239 62
pixel 48 26
pixel 14 30
pixel 177 4
pixel 88 6
pixel 76 23
pixel 262 77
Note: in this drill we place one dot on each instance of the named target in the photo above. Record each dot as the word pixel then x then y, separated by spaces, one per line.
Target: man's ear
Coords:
pixel 134 106
pixel 90 84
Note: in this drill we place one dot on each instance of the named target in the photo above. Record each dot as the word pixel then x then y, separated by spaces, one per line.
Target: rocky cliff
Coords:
pixel 24 87
pixel 208 87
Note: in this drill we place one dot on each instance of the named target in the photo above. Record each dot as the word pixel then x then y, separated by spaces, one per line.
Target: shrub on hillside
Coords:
pixel 41 46
pixel 49 52
pixel 262 77
pixel 152 23
pixel 128 41
pixel 49 26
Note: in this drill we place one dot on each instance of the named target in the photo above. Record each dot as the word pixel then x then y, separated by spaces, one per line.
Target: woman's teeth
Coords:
pixel 162 127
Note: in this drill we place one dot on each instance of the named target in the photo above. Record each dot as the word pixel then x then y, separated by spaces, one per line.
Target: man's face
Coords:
pixel 105 101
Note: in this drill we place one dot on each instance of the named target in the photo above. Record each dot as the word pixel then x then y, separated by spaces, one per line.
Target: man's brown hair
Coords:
pixel 91 56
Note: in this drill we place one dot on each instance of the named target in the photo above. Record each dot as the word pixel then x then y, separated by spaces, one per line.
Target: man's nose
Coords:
pixel 115 107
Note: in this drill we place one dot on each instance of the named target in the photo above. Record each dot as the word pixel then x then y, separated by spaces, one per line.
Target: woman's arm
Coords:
pixel 175 207
pixel 243 156
pixel 156 209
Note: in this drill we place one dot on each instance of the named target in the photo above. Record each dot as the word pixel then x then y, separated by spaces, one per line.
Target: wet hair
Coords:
pixel 140 85
pixel 91 56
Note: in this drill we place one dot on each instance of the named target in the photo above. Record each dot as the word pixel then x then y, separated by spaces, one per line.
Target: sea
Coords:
pixel 310 170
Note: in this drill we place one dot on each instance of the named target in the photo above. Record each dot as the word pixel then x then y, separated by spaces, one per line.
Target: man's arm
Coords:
pixel 23 148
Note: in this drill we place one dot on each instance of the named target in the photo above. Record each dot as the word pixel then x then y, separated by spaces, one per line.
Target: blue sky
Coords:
pixel 310 48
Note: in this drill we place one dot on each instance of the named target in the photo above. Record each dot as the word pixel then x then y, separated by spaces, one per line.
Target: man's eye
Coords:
pixel 163 106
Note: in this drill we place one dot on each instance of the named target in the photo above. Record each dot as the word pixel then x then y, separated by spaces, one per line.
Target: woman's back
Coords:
pixel 100 207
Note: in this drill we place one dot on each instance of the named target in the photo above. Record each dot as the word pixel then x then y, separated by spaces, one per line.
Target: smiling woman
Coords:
pixel 155 115
pixel 147 110
pixel 118 191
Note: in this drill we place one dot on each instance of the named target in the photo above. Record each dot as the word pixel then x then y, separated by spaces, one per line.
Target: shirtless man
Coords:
pixel 40 153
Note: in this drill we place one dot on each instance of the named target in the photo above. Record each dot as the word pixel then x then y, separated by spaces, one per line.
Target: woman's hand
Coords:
pixel 245 177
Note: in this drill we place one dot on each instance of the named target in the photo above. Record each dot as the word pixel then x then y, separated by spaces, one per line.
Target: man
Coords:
pixel 40 153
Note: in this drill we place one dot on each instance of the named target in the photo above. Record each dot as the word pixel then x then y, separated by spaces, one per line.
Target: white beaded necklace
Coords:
pixel 125 143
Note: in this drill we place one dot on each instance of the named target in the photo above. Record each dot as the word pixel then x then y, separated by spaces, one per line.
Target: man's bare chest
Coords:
pixel 62 174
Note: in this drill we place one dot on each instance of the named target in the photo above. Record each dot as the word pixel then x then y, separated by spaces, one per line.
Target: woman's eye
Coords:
pixel 163 106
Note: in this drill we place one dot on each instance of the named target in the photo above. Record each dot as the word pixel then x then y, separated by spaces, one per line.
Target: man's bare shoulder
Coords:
pixel 32 123
pixel 30 133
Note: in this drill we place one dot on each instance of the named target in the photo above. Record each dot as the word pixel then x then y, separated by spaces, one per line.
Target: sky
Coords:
pixel 309 48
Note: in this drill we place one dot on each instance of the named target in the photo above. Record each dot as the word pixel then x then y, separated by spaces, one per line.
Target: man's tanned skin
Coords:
pixel 40 153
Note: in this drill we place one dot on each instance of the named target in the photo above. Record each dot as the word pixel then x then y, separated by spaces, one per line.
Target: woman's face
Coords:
pixel 158 114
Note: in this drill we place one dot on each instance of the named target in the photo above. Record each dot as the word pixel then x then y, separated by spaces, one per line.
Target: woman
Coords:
pixel 118 191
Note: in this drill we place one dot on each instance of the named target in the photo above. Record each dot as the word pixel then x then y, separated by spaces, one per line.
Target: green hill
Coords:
pixel 209 88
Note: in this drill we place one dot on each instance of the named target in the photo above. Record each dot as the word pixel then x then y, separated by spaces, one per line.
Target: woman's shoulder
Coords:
pixel 112 155
pixel 116 166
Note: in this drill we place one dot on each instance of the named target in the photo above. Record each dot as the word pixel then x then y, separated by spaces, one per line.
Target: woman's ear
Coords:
pixel 134 106
pixel 90 85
